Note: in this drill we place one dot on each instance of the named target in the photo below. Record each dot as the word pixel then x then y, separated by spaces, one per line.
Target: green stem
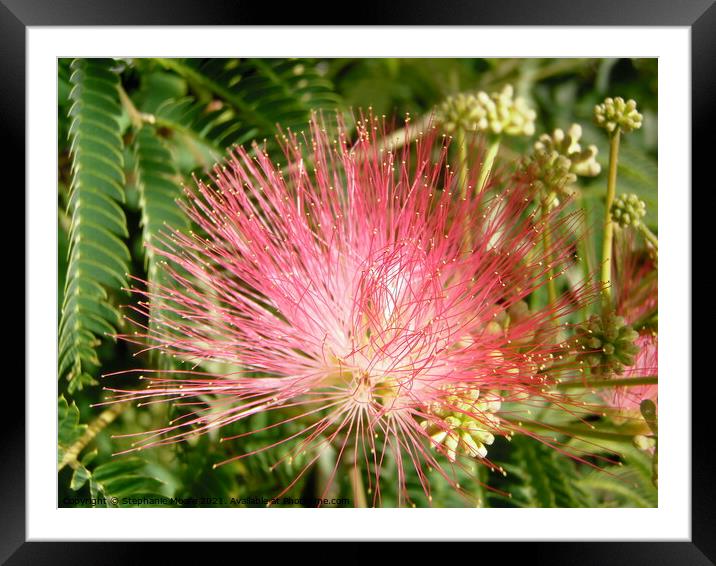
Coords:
pixel 601 383
pixel 463 175
pixel 464 179
pixel 547 245
pixel 585 257
pixel 104 419
pixel 356 479
pixel 649 236
pixel 606 275
pixel 488 163
pixel 481 486
pixel 578 432
pixel 135 116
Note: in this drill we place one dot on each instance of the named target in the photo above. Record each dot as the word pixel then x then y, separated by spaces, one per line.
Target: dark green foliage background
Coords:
pixel 130 132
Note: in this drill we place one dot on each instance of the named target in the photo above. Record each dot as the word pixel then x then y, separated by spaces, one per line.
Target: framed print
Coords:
pixel 392 281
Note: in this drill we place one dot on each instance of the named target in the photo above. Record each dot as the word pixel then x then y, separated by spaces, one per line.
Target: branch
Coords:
pixel 621 382
pixel 104 419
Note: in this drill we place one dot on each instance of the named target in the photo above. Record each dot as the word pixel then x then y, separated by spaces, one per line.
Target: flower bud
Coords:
pixel 606 344
pixel 644 442
pixel 496 113
pixel 628 210
pixel 615 113
pixel 463 421
pixel 558 159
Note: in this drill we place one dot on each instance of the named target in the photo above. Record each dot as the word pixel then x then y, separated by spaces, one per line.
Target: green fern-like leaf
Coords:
pixel 627 485
pixel 69 427
pixel 245 99
pixel 63 101
pixel 214 127
pixel 120 481
pixel 159 186
pixel 621 490
pixel 545 478
pixel 98 257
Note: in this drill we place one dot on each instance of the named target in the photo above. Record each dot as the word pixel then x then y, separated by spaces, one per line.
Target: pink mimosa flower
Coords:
pixel 359 294
pixel 627 399
pixel 635 280
pixel 636 288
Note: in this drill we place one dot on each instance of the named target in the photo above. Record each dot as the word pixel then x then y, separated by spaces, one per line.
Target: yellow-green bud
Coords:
pixel 606 344
pixel 463 422
pixel 556 161
pixel 583 161
pixel 551 173
pixel 644 442
pixel 496 113
pixel 628 210
pixel 615 113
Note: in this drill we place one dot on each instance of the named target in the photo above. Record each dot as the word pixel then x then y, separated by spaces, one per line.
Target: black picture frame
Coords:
pixel 698 15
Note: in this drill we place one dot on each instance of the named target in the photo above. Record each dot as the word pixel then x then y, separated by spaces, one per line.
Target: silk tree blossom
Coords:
pixel 627 400
pixel 355 292
pixel 635 277
pixel 636 286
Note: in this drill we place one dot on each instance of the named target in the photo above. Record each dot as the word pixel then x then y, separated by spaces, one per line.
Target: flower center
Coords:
pixel 365 387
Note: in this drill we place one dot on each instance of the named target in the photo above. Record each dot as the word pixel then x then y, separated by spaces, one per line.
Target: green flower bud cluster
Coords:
pixel 551 173
pixel 558 159
pixel 583 161
pixel 628 210
pixel 496 113
pixel 606 344
pixel 615 113
pixel 463 421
